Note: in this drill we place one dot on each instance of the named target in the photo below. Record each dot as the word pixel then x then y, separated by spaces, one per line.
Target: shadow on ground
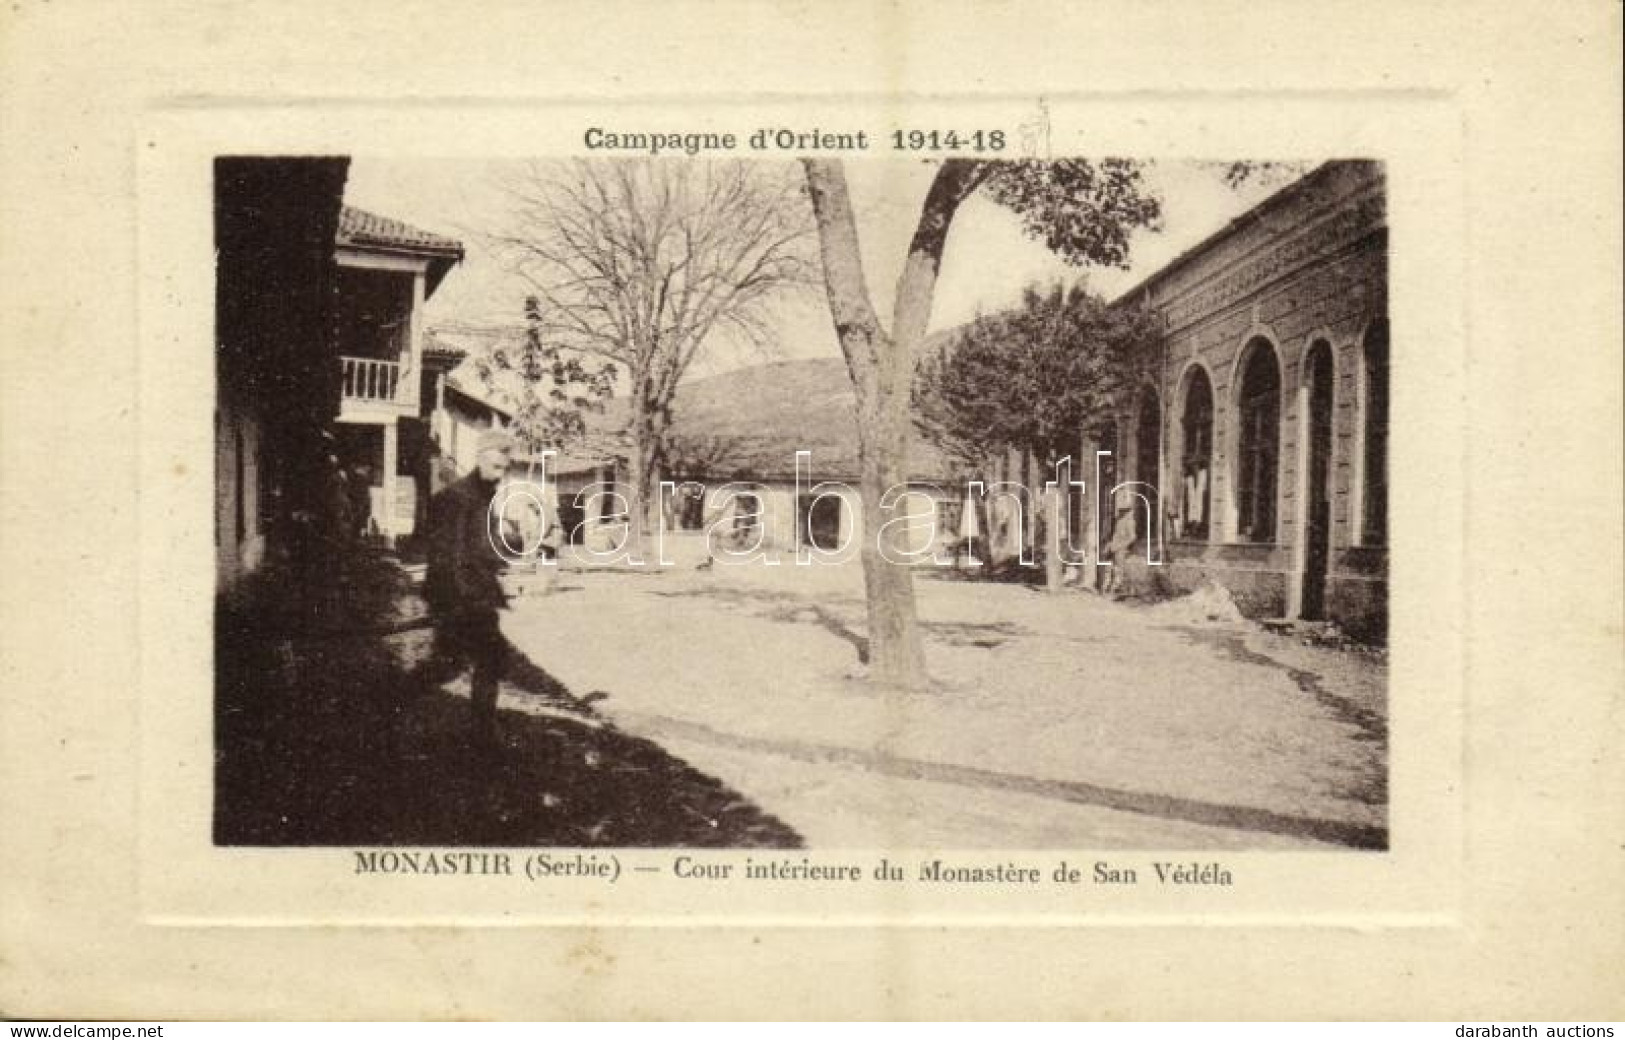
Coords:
pixel 326 740
pixel 1370 727
pixel 1144 803
pixel 792 608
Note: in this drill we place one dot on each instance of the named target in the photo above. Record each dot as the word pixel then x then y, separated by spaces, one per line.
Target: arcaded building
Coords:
pixel 1265 421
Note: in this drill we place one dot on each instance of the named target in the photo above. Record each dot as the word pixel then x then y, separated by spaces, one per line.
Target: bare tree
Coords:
pixel 648 262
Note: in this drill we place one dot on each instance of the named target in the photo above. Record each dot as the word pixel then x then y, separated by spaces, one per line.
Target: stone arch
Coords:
pixel 1323 334
pixel 1190 455
pixel 1147 421
pixel 1255 334
pixel 1256 407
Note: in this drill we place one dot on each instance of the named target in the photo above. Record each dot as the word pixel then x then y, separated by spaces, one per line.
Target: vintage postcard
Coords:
pixel 792 519
pixel 713 522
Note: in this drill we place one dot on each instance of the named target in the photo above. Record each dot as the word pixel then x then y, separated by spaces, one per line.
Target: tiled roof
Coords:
pixel 435 347
pixel 562 462
pixel 357 227
pixel 467 384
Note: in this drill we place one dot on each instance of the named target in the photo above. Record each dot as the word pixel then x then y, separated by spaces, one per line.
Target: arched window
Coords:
pixel 1147 437
pixel 1258 448
pixel 1196 457
pixel 1374 518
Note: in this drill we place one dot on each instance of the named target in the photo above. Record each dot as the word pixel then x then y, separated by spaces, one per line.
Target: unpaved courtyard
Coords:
pixel 1053 721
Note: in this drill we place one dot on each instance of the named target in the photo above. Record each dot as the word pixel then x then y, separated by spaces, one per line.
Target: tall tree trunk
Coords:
pixel 882 368
pixel 643 465
pixel 637 476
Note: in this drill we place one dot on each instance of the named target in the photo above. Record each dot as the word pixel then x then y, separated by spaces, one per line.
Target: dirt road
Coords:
pixel 1052 721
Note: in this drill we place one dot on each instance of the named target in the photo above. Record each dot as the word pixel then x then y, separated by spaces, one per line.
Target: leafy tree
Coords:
pixel 1265 172
pixel 953 409
pixel 556 389
pixel 1084 210
pixel 1030 379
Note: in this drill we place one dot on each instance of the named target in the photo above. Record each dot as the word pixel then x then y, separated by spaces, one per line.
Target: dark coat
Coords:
pixel 463 563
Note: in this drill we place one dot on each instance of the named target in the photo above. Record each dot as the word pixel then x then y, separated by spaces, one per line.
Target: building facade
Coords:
pixel 276 387
pixel 385 272
pixel 822 512
pixel 745 431
pixel 1266 427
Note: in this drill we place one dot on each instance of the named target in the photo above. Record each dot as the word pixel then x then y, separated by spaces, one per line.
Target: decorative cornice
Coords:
pixel 1347 225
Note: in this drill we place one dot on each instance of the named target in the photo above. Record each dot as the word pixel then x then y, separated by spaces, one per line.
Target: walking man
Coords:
pixel 462 585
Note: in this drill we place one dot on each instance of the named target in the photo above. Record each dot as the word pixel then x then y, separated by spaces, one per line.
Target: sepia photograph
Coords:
pixel 743 511
pixel 638 500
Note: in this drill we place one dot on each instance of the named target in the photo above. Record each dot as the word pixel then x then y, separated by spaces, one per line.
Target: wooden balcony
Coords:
pixel 376 390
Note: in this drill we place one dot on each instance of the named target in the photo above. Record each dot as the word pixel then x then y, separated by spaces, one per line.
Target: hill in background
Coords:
pixel 752 421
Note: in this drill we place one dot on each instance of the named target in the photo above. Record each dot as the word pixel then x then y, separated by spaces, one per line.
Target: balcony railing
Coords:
pixel 368 380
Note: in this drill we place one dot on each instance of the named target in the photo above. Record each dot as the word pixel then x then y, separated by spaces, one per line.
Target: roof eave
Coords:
pixel 1179 262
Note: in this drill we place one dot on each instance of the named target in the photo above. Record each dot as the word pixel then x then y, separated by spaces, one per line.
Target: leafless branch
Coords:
pixel 651 263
